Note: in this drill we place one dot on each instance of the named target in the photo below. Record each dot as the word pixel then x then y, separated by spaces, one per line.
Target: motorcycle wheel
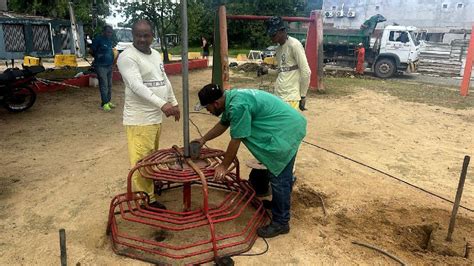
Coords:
pixel 19 99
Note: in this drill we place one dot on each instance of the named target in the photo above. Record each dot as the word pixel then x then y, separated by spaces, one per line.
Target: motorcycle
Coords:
pixel 16 92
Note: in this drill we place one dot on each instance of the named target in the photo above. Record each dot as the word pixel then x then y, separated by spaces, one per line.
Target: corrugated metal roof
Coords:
pixel 11 15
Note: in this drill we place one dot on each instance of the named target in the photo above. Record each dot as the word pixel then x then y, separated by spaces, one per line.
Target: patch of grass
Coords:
pixel 176 50
pixel 233 52
pixel 240 79
pixel 430 94
pixel 61 74
pixel 336 87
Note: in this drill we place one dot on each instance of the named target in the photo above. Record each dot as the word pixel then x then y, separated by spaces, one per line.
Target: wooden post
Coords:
pixel 468 67
pixel 216 56
pixel 457 200
pixel 314 50
pixel 62 246
pixel 224 47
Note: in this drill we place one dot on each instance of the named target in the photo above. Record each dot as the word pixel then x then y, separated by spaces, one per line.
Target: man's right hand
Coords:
pixel 170 110
pixel 200 140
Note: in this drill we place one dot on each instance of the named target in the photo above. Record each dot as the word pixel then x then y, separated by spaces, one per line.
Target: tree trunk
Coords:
pixel 166 58
pixel 164 44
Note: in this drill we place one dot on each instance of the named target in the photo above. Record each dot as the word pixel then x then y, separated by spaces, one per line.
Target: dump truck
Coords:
pixel 392 51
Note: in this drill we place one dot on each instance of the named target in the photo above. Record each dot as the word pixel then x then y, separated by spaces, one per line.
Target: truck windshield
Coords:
pixel 414 38
pixel 124 35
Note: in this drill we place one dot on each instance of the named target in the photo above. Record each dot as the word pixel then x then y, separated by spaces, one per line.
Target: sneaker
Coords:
pixel 111 105
pixel 272 230
pixel 106 107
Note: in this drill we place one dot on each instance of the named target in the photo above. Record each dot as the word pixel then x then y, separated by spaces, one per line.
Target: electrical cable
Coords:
pixel 384 173
pixel 199 131
pixel 368 166
pixel 256 254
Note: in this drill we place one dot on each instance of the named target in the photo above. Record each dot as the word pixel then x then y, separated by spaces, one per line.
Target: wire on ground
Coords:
pixel 387 174
pixel 363 164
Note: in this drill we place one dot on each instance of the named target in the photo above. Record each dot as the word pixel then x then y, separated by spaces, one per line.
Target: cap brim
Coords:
pixel 198 107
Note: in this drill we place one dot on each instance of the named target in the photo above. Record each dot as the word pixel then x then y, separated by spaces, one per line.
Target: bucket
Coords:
pixel 93 82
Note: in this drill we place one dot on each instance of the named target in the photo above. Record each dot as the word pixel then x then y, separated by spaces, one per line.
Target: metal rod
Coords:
pixel 250 17
pixel 184 66
pixel 457 201
pixel 62 246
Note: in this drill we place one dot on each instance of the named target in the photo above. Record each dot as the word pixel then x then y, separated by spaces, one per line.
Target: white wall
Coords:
pixel 425 14
pixel 3 5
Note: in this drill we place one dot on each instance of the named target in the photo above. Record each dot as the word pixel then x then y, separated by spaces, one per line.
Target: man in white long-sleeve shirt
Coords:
pixel 148 95
pixel 293 78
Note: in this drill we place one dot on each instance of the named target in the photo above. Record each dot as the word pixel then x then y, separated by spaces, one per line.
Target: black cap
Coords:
pixel 274 24
pixel 208 94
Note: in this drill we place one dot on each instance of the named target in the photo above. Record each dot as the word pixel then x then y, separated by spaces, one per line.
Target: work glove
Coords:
pixel 262 70
pixel 302 103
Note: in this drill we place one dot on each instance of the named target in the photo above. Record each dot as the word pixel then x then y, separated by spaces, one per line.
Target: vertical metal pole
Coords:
pixel 457 201
pixel 94 16
pixel 184 67
pixel 62 246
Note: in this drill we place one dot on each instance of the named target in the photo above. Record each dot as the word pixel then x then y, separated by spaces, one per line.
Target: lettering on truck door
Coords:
pixel 399 43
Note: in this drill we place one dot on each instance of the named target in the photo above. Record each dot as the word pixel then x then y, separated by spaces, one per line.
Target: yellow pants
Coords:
pixel 142 140
pixel 294 104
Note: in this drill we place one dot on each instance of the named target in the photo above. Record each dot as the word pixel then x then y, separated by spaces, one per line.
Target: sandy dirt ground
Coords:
pixel 64 159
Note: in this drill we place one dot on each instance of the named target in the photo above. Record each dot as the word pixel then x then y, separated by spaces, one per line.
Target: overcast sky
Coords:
pixel 114 20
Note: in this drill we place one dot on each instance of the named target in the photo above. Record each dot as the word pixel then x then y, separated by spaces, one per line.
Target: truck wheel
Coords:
pixel 385 68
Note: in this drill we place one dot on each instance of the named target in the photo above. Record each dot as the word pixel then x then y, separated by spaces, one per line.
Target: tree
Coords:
pixel 252 33
pixel 60 9
pixel 163 14
pixel 200 20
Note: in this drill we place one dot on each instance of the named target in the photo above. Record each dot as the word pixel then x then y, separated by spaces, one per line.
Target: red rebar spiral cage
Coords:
pixel 190 231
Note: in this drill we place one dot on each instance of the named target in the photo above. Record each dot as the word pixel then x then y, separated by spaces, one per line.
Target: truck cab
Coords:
pixel 398 51
pixel 124 38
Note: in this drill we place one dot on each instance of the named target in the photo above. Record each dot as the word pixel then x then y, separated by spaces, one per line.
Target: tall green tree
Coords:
pixel 163 14
pixel 252 33
pixel 60 9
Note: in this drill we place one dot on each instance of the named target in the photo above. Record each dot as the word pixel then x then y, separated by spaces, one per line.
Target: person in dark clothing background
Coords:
pixel 101 50
pixel 205 47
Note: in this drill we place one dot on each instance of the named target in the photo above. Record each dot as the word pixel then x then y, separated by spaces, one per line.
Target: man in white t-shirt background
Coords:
pixel 148 95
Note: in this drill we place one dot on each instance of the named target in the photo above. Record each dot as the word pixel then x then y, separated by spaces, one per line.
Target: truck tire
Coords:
pixel 385 68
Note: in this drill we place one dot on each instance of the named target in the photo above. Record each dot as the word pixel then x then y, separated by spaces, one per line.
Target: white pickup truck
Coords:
pixel 389 52
pixel 396 51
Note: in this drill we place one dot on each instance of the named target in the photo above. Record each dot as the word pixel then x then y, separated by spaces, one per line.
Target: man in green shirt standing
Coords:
pixel 271 130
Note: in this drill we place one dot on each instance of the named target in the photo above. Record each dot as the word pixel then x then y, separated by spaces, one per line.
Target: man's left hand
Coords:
pixel 220 172
pixel 176 113
pixel 302 104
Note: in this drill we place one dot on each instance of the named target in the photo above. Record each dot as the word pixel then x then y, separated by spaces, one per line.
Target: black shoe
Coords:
pixel 267 204
pixel 157 205
pixel 272 230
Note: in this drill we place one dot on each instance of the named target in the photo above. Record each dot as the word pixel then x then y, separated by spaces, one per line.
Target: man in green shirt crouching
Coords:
pixel 271 130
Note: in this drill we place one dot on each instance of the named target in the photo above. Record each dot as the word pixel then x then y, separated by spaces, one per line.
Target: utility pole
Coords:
pixel 94 15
